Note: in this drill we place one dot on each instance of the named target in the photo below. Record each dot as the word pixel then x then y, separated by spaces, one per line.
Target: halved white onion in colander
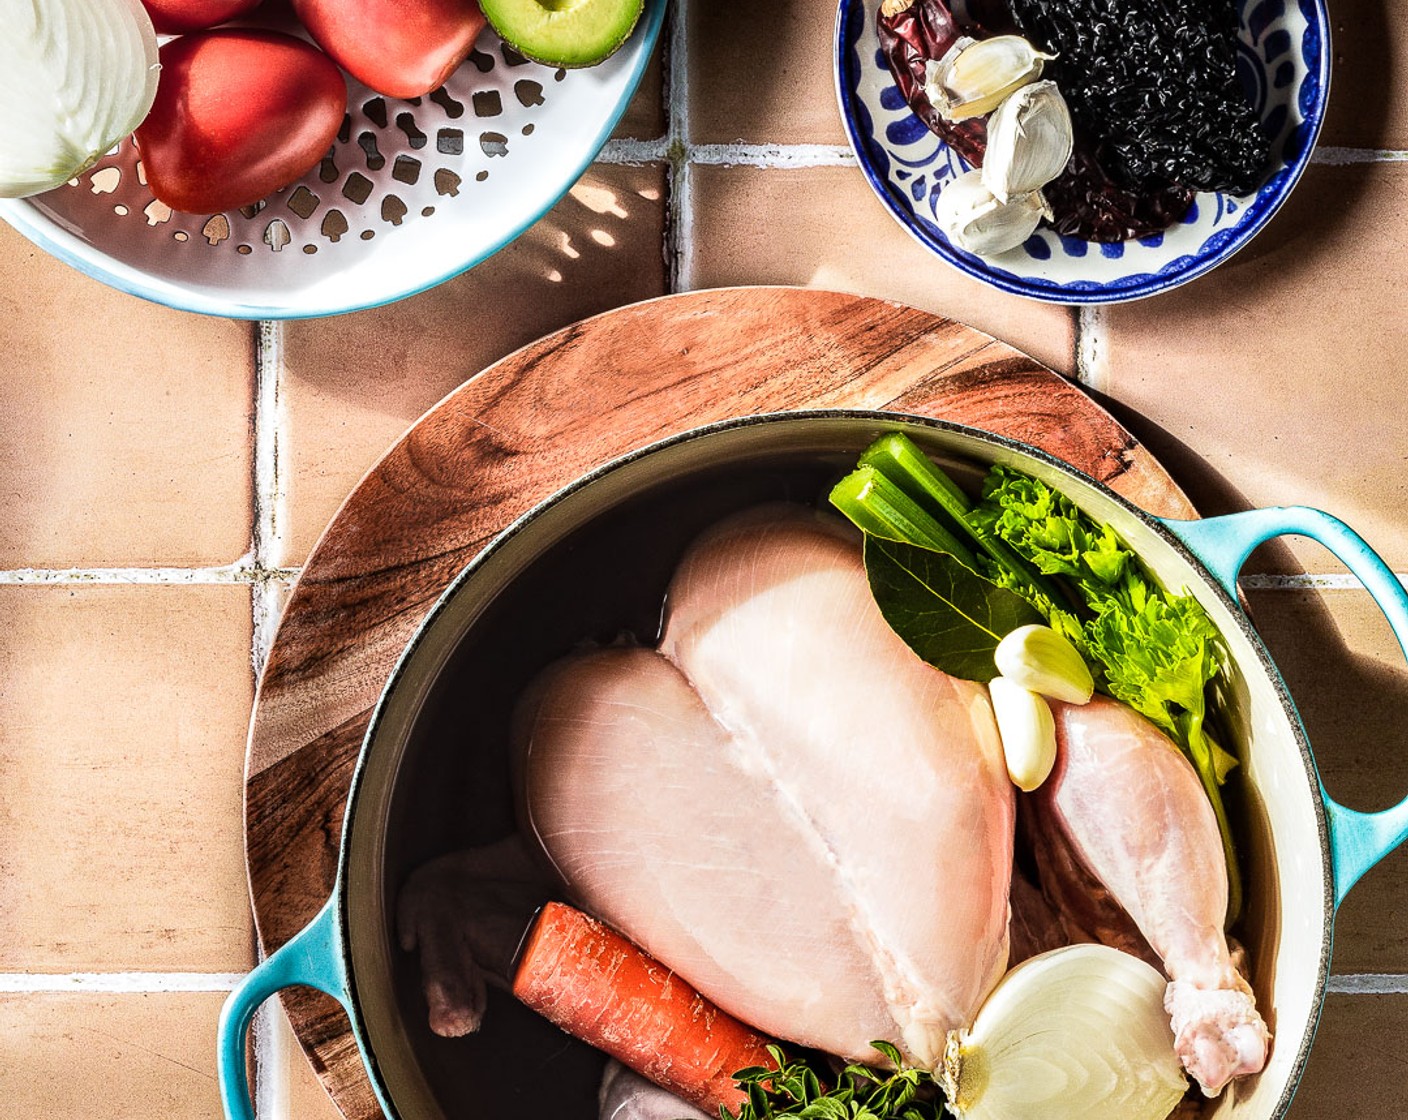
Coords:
pixel 76 76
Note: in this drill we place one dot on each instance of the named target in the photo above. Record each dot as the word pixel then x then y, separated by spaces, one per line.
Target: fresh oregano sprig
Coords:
pixel 793 1088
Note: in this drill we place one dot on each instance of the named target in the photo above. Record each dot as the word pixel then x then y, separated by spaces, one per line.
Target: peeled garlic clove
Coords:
pixel 1029 141
pixel 977 222
pixel 1039 658
pixel 936 69
pixel 973 77
pixel 1028 732
pixel 1078 1033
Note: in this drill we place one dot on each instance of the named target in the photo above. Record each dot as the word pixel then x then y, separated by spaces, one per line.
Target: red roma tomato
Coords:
pixel 238 114
pixel 175 17
pixel 400 48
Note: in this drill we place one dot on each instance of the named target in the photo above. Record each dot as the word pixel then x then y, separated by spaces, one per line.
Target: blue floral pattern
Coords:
pixel 1284 62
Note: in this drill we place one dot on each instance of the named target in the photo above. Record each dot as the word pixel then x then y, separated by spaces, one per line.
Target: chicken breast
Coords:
pixel 1133 810
pixel 783 804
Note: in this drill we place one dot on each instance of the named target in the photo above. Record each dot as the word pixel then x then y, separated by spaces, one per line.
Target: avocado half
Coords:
pixel 567 33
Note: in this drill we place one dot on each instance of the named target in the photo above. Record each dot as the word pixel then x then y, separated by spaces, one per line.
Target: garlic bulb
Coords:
pixel 1078 1033
pixel 975 221
pixel 1039 658
pixel 973 77
pixel 1028 732
pixel 1029 141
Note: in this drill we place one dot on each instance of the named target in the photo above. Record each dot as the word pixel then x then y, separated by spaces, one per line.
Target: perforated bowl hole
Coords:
pixel 393 163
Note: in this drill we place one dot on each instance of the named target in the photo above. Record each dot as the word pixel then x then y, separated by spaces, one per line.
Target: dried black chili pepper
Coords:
pixel 1155 83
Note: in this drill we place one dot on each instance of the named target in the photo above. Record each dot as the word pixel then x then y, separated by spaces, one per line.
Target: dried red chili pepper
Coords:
pixel 1088 204
pixel 909 40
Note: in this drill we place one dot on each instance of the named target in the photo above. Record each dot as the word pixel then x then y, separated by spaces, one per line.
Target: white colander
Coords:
pixel 412 193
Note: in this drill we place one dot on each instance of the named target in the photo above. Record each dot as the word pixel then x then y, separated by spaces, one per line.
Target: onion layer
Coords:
pixel 1078 1033
pixel 76 76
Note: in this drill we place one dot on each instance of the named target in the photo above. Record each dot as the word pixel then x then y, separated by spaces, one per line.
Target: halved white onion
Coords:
pixel 76 76
pixel 1078 1033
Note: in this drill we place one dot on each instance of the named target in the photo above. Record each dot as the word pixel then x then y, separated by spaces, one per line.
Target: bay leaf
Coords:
pixel 946 613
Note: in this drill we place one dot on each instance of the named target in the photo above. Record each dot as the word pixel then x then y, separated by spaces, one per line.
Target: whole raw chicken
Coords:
pixel 788 808
pixel 783 803
pixel 1130 808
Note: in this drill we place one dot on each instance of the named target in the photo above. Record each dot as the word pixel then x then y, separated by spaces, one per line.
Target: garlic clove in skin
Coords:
pixel 975 76
pixel 1039 658
pixel 1029 141
pixel 1078 1033
pixel 1028 732
pixel 976 221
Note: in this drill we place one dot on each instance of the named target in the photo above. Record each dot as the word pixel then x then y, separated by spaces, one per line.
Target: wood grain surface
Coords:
pixel 521 430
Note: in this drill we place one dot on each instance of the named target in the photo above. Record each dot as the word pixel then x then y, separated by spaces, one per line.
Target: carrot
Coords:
pixel 599 987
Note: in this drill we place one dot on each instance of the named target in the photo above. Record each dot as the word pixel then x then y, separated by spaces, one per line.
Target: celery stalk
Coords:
pixel 878 507
pixel 899 460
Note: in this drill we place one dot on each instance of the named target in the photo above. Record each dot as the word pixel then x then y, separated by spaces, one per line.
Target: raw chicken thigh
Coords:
pixel 784 804
pixel 1131 807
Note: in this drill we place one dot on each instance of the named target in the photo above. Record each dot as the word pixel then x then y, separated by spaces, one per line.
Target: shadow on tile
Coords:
pixel 1347 676
pixel 571 264
pixel 1211 493
pixel 354 384
pixel 762 73
pixel 1307 223
pixel 1365 109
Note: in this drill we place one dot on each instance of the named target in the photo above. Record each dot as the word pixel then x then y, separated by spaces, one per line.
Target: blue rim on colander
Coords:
pixel 1283 55
pixel 375 256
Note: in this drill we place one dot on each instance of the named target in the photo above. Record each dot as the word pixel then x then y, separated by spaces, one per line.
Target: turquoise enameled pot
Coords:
pixel 1301 850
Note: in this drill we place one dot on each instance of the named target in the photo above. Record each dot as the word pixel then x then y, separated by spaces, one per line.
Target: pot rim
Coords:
pixel 880 418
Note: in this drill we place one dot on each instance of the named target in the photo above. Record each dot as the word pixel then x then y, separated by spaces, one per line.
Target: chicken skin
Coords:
pixel 1131 808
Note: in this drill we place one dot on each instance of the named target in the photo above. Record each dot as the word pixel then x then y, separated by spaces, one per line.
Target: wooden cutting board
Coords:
pixel 521 430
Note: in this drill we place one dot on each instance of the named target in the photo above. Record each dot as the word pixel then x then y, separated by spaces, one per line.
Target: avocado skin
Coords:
pixel 609 24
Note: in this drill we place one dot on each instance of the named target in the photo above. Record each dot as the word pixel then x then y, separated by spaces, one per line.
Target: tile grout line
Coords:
pixel 671 148
pixel 41 983
pixel 242 571
pixel 673 145
pixel 777 156
pixel 270 436
pixel 1335 157
pixel 679 214
pixel 1329 581
pixel 634 152
pixel 272 1076
pixel 1092 368
pixel 271 1072
pixel 1368 984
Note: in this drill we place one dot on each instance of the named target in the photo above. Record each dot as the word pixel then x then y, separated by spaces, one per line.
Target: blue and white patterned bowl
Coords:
pixel 1284 55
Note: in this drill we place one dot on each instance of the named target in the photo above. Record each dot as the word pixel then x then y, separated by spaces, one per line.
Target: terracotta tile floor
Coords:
pixel 163 476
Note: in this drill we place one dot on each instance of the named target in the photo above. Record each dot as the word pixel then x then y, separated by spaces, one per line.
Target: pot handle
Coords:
pixel 311 958
pixel 1357 840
